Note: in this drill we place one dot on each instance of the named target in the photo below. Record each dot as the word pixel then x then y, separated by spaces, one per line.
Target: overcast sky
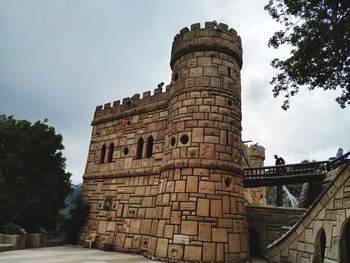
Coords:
pixel 60 59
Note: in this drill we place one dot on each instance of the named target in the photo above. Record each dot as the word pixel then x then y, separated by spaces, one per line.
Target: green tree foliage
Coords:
pixel 33 181
pixel 294 189
pixel 319 33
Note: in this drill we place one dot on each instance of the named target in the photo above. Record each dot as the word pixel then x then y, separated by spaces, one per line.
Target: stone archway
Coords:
pixel 344 249
pixel 254 242
pixel 320 247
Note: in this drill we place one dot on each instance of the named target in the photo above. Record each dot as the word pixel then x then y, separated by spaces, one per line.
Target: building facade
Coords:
pixel 164 172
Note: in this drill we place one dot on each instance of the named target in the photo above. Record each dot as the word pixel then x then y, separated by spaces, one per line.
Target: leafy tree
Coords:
pixel 319 33
pixel 33 181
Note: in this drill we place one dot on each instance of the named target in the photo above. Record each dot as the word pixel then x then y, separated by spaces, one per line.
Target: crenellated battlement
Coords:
pixel 211 37
pixel 212 25
pixel 130 106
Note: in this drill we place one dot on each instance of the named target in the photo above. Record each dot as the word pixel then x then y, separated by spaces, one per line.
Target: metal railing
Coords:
pixel 285 170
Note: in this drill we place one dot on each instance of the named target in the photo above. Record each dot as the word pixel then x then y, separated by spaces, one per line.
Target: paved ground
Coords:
pixel 68 254
pixel 72 254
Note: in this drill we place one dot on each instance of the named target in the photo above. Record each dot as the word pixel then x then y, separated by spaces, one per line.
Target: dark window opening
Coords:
pixel 184 139
pixel 229 71
pixel 126 151
pixel 110 152
pixel 103 153
pixel 254 242
pixel 345 243
pixel 176 77
pixel 139 149
pixel 320 246
pixel 172 141
pixel 149 147
pixel 228 181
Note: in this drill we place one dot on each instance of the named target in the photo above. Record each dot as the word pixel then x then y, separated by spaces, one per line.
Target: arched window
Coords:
pixel 110 152
pixel 103 153
pixel 139 149
pixel 254 242
pixel 149 147
pixel 320 246
pixel 345 243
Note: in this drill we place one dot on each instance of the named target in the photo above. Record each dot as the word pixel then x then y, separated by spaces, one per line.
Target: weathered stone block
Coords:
pixel 219 234
pixel 189 227
pixel 193 253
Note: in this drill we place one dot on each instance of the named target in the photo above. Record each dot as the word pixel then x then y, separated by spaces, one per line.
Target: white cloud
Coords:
pixel 61 59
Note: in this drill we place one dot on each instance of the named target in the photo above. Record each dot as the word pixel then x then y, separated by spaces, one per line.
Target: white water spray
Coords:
pixel 293 201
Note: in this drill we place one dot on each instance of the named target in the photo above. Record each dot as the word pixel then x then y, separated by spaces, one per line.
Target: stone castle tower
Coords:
pixel 164 173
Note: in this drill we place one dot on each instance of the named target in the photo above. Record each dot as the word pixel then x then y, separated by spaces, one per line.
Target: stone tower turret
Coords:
pixel 201 178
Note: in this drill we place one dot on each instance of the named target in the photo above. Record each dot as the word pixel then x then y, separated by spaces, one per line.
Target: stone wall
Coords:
pixel 185 201
pixel 271 222
pixel 328 214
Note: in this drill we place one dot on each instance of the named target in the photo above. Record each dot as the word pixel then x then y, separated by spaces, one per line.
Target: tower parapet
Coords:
pixel 212 37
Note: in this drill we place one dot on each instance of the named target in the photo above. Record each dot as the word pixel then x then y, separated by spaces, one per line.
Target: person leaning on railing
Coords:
pixel 280 161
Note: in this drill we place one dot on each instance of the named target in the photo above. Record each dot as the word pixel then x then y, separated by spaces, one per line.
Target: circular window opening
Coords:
pixel 128 123
pixel 184 139
pixel 126 151
pixel 176 77
pixel 229 103
pixel 228 181
pixel 261 196
pixel 172 141
pixel 145 242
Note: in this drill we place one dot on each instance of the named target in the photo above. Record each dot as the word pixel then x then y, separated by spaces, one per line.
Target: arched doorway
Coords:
pixel 254 242
pixel 345 243
pixel 320 247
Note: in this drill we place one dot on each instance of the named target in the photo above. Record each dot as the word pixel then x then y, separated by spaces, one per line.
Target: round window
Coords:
pixel 184 139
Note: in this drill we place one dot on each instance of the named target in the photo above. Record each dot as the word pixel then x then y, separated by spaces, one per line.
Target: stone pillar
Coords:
pixel 200 212
pixel 256 154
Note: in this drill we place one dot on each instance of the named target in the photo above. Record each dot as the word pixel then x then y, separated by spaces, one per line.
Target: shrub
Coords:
pixel 11 229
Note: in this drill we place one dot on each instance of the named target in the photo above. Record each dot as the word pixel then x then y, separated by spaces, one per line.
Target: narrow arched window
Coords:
pixel 345 243
pixel 320 247
pixel 139 149
pixel 110 152
pixel 103 153
pixel 149 147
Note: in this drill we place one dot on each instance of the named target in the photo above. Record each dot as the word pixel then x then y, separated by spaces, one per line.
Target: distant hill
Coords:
pixel 72 196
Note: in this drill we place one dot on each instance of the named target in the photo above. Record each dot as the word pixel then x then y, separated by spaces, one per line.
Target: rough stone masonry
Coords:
pixel 164 172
